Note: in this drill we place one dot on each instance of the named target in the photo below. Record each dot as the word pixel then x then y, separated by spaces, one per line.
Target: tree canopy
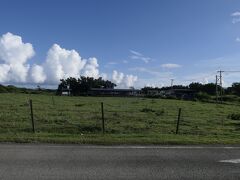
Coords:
pixel 82 85
pixel 209 88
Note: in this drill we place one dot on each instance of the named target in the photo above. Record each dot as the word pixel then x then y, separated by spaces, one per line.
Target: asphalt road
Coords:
pixel 41 161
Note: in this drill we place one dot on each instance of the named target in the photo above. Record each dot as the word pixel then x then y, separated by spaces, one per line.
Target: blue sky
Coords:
pixel 155 40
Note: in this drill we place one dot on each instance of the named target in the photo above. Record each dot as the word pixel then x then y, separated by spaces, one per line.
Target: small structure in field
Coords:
pixel 66 91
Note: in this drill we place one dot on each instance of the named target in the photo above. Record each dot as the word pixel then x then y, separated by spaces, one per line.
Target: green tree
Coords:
pixel 236 88
pixel 82 85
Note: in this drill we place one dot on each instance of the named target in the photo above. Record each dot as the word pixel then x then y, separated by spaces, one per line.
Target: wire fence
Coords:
pixel 70 115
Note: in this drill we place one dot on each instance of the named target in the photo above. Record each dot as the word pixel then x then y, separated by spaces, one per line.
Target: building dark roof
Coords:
pixel 114 90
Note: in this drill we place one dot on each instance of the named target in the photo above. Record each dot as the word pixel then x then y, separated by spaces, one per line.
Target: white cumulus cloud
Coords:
pixel 123 81
pixel 62 63
pixel 117 77
pixel 104 76
pixel 59 64
pixel 130 80
pixel 4 69
pixel 91 68
pixel 14 54
pixel 37 74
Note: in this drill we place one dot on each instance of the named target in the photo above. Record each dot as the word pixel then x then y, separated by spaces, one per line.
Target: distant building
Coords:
pixel 66 91
pixel 155 92
pixel 152 92
pixel 113 92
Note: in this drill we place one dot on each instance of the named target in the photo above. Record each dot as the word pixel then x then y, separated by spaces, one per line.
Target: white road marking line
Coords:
pixel 235 161
pixel 121 147
pixel 156 147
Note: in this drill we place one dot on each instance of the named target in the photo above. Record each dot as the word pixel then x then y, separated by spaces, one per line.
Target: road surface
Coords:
pixel 43 161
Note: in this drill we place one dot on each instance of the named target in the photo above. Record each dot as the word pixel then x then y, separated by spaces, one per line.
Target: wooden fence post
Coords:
pixel 103 123
pixel 178 120
pixel 31 111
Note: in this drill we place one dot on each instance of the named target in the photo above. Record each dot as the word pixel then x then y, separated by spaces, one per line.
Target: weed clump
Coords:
pixel 89 128
pixel 234 116
pixel 79 105
pixel 160 112
pixel 147 110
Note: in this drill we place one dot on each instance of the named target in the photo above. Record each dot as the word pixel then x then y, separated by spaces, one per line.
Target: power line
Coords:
pixel 231 71
pixel 201 77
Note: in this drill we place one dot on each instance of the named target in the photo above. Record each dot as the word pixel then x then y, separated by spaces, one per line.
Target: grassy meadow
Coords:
pixel 128 120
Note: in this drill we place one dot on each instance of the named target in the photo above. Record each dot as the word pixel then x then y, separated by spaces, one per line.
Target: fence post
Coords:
pixel 103 123
pixel 31 111
pixel 178 120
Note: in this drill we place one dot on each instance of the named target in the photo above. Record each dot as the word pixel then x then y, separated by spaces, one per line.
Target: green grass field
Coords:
pixel 60 119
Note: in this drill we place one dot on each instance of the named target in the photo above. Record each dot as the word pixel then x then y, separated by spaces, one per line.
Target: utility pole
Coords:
pixel 216 88
pixel 172 83
pixel 221 90
pixel 220 83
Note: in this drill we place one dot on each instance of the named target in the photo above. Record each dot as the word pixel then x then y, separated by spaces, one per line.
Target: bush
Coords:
pixel 234 116
pixel 230 98
pixel 147 110
pixel 202 96
pixel 3 89
pixel 79 105
pixel 153 96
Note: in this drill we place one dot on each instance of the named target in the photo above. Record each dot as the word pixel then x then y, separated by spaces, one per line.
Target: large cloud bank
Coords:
pixel 59 63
